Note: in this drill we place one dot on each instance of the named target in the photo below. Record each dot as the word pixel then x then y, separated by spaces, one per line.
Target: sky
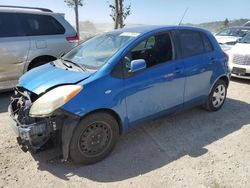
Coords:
pixel 153 12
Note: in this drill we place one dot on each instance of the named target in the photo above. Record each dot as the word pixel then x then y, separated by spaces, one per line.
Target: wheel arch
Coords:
pixel 67 131
pixel 110 112
pixel 46 58
pixel 224 78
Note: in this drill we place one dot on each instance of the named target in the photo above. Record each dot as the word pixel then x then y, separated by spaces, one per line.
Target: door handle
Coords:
pixel 178 70
pixel 169 76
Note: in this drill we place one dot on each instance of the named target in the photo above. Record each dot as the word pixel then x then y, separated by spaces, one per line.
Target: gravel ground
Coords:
pixel 194 148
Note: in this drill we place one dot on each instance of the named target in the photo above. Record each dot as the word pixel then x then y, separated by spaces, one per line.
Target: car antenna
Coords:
pixel 183 16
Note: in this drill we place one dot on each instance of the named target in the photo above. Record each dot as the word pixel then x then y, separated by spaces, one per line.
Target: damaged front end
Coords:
pixel 33 133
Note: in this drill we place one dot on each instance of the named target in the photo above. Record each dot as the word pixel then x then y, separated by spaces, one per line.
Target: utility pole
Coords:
pixel 77 16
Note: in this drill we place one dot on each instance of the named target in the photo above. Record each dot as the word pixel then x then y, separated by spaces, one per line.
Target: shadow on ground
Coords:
pixel 157 144
pixel 4 101
pixel 240 80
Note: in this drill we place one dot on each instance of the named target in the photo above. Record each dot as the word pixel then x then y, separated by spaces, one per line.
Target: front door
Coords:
pixel 159 87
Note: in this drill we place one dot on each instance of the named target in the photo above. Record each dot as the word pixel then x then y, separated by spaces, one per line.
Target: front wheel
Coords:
pixel 217 96
pixel 94 138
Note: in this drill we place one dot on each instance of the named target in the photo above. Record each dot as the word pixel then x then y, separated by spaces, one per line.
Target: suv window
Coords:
pixel 40 25
pixel 191 43
pixel 154 50
pixel 9 25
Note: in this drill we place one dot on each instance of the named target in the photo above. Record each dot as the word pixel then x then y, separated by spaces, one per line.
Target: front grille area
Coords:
pixel 241 59
pixel 21 102
pixel 32 133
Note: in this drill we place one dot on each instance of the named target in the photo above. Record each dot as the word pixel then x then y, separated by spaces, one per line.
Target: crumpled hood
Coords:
pixel 46 76
pixel 226 39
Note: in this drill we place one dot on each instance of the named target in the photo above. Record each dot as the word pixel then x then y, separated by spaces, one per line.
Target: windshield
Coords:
pixel 245 39
pixel 95 52
pixel 236 32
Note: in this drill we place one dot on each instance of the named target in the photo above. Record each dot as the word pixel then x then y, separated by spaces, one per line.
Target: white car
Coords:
pixel 239 58
pixel 229 36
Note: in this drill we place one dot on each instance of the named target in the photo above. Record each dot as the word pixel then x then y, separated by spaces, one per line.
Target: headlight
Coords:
pixel 53 100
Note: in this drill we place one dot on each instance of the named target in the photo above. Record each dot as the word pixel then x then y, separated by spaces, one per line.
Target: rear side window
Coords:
pixel 9 26
pixel 40 25
pixel 191 43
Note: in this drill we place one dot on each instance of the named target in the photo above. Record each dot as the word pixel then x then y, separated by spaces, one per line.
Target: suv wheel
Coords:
pixel 217 96
pixel 94 138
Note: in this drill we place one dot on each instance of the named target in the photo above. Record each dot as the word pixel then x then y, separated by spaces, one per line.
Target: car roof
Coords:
pixel 29 10
pixel 155 28
pixel 239 27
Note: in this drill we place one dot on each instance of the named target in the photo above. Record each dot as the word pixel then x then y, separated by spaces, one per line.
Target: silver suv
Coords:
pixel 30 37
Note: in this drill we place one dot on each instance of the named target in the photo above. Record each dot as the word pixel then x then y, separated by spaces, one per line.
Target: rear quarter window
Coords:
pixel 40 25
pixel 191 43
pixel 207 43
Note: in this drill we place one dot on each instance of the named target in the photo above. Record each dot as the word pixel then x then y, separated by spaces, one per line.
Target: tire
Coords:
pixel 94 138
pixel 217 96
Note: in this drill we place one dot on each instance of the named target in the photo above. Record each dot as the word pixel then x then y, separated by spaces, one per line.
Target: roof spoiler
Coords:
pixel 21 7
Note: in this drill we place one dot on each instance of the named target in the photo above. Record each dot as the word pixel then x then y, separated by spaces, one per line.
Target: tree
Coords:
pixel 75 4
pixel 226 23
pixel 119 13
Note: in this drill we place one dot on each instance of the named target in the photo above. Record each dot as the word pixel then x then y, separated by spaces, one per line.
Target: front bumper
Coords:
pixel 31 136
pixel 32 133
pixel 245 74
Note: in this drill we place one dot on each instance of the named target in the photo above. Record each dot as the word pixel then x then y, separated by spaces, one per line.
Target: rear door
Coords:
pixel 197 65
pixel 14 48
pixel 46 34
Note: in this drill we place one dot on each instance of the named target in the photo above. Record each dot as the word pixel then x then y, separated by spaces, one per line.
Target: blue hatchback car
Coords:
pixel 115 81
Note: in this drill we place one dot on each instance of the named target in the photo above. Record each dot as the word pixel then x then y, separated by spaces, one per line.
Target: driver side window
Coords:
pixel 154 50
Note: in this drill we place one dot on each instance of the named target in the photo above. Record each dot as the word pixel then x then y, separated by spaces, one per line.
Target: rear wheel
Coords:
pixel 94 138
pixel 217 96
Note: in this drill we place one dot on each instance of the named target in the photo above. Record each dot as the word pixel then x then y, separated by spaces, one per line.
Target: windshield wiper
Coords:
pixel 75 64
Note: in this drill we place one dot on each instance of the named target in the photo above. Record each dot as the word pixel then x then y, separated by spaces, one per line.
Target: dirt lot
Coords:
pixel 192 149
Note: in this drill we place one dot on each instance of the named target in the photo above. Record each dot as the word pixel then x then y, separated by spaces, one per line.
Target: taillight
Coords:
pixel 74 39
pixel 227 57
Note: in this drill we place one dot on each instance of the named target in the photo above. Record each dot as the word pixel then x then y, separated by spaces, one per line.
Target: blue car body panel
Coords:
pixel 164 88
pixel 154 90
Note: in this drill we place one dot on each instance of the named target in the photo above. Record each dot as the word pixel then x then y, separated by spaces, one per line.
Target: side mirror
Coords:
pixel 238 40
pixel 137 65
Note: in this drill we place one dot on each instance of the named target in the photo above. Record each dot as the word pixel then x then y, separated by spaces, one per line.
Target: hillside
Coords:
pixel 89 29
pixel 218 25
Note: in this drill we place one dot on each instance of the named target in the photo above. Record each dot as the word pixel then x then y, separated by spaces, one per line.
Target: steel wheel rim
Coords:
pixel 219 95
pixel 95 139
